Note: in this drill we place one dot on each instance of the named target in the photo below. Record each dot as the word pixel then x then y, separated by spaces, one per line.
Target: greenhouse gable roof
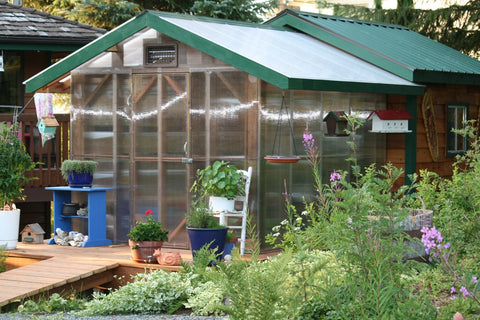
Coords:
pixel 285 58
pixel 394 48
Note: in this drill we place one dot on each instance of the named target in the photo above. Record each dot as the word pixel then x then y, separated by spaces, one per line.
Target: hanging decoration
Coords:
pixel 276 156
pixel 44 108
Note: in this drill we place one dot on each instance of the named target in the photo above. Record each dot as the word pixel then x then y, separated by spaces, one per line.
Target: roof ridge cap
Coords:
pixel 347 19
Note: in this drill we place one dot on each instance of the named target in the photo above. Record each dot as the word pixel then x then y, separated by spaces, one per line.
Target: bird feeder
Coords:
pixel 390 121
pixel 47 124
pixel 336 123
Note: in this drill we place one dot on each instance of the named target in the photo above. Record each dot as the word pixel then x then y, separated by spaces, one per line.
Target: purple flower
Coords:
pixel 474 279
pixel 464 291
pixel 452 290
pixel 308 140
pixel 335 176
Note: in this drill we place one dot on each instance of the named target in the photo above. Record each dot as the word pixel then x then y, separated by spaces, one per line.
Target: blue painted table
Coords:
pixel 97 213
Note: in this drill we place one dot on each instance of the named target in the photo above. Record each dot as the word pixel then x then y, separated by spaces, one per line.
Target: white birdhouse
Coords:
pixel 390 121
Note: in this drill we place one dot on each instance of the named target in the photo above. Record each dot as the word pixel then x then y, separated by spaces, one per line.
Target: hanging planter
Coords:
pixel 281 159
pixel 276 156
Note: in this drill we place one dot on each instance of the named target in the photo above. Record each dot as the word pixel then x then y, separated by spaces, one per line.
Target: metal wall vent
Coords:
pixel 161 56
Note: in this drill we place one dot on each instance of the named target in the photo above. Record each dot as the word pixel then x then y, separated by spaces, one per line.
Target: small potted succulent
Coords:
pixel 79 173
pixel 222 182
pixel 15 162
pixel 146 237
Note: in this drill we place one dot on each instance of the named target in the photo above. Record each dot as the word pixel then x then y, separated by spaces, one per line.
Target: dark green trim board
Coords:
pixel 38 47
pixel 411 139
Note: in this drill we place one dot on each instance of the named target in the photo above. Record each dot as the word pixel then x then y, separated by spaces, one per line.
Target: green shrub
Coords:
pixel 157 291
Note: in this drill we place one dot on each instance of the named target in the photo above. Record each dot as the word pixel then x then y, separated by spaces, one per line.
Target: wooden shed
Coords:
pixel 165 94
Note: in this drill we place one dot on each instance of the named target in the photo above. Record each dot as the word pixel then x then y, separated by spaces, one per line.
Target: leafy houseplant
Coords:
pixel 220 180
pixel 79 173
pixel 14 163
pixel 145 237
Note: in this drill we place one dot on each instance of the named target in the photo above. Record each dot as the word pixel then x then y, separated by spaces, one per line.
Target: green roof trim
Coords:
pixel 391 47
pixel 165 23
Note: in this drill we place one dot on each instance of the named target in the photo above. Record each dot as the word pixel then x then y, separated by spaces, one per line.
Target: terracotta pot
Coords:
pixel 142 251
pixel 168 258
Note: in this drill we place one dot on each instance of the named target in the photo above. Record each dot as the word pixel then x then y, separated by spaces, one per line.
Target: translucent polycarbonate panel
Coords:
pixel 173 115
pixel 146 100
pixel 172 192
pixel 92 110
pixel 307 108
pixel 221 104
pixel 227 110
pixel 277 124
pixel 133 47
pixel 198 124
pixel 123 115
pixel 122 202
pixel 279 50
pixel 145 188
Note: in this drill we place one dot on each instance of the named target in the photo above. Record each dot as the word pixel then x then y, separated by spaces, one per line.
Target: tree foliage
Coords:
pixel 455 26
pixel 108 14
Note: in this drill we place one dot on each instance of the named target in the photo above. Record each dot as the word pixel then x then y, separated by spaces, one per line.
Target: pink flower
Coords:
pixel 335 176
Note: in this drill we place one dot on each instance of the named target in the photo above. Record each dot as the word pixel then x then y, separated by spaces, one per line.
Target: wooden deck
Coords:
pixel 36 269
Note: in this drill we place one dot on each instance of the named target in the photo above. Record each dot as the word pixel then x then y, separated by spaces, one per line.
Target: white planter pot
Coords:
pixel 221 204
pixel 9 228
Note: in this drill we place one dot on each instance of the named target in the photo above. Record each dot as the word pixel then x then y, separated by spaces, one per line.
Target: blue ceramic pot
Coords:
pixel 80 180
pixel 200 237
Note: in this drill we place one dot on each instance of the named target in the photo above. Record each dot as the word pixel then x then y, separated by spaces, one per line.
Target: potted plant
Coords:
pixel 79 173
pixel 146 237
pixel 203 229
pixel 222 183
pixel 14 163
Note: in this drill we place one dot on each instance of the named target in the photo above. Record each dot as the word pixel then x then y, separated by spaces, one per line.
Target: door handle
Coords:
pixel 186 159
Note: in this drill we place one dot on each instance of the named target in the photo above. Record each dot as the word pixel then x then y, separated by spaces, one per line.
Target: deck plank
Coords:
pixel 48 274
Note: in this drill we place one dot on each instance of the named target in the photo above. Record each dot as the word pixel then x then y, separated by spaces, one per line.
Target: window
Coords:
pixel 456 117
pixel 11 93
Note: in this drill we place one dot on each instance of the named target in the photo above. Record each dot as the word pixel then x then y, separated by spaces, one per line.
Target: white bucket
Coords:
pixel 221 204
pixel 9 228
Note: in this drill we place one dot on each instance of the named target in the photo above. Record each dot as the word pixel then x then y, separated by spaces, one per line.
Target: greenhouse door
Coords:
pixel 162 166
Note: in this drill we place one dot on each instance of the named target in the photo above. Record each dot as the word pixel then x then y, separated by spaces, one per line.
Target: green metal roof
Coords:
pixel 285 58
pixel 392 47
